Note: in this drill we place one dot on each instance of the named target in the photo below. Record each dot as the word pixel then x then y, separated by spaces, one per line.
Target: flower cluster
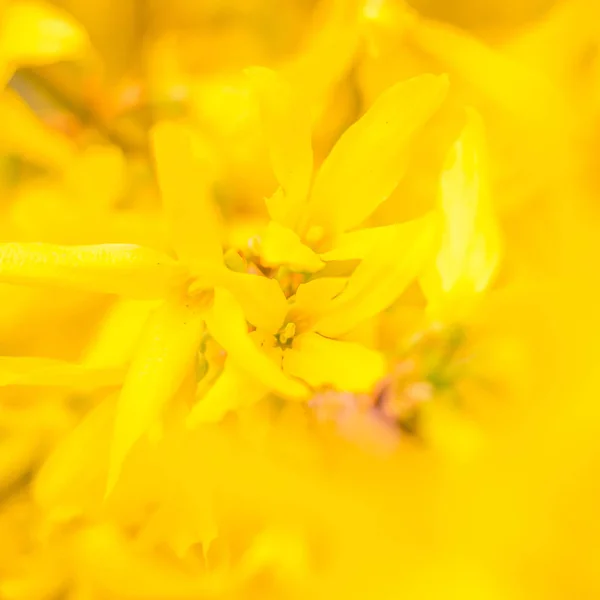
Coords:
pixel 298 299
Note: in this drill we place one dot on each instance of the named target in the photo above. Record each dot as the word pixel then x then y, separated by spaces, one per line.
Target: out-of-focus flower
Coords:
pixel 380 386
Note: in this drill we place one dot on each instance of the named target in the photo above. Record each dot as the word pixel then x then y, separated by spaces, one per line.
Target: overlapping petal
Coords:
pixel 227 324
pixel 165 355
pixel 282 246
pixel 382 276
pixel 370 158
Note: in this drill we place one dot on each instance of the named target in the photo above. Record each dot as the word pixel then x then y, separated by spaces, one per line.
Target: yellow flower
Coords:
pixel 312 222
pixel 172 336
pixel 307 339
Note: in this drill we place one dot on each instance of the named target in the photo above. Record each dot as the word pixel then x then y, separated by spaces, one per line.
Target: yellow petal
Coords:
pixel 344 365
pixel 185 185
pixel 24 134
pixel 471 246
pixel 287 125
pixel 233 389
pixel 73 477
pixel 37 33
pixel 357 244
pixel 281 246
pixel 166 353
pixel 382 276
pixel 110 268
pixel 118 335
pixel 227 324
pixel 262 299
pixel 310 300
pixel 33 371
pixel 369 160
pixel 113 565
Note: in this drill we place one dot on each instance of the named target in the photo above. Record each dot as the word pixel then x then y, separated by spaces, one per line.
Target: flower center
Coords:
pixel 286 334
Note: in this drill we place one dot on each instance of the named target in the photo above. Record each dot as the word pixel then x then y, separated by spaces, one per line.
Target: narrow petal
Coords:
pixel 358 244
pixel 37 33
pixel 382 276
pixel 344 365
pixel 233 389
pixel 227 324
pixel 281 246
pixel 369 160
pixel 123 269
pixel 471 246
pixel 287 125
pixel 166 353
pixel 185 185
pixel 33 371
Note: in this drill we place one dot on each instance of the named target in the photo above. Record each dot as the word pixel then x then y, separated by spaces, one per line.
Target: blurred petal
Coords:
pixel 287 125
pixel 369 160
pixel 119 333
pixel 281 246
pixel 73 477
pixel 24 134
pixel 233 389
pixel 185 184
pixel 311 299
pixel 37 33
pixel 109 268
pixel 471 245
pixel 381 277
pixel 166 353
pixel 115 566
pixel 344 365
pixel 103 165
pixel 32 371
pixel 227 324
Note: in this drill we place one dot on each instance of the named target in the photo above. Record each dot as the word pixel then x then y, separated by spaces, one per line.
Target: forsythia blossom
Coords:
pixel 298 299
